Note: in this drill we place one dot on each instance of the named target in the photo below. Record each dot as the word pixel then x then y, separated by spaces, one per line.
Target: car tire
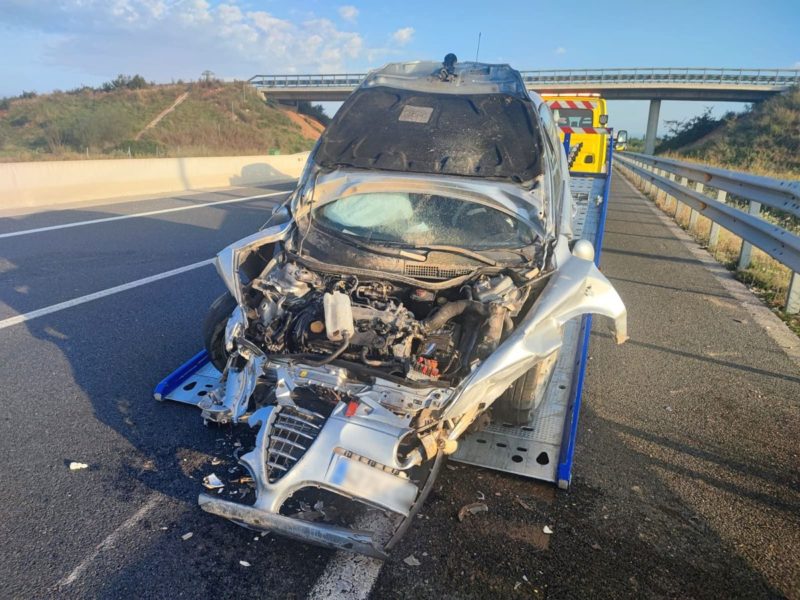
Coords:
pixel 214 329
pixel 517 405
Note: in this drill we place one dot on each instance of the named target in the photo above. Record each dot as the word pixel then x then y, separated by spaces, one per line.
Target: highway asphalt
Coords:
pixel 686 475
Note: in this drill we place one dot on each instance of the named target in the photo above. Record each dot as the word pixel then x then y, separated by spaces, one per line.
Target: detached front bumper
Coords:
pixel 328 536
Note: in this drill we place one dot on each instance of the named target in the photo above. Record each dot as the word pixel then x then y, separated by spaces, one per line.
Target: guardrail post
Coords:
pixel 659 191
pixel 679 206
pixel 745 254
pixel 793 295
pixel 713 236
pixel 699 188
pixel 674 214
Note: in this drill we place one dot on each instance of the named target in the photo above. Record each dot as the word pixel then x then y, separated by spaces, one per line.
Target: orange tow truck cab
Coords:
pixel 585 119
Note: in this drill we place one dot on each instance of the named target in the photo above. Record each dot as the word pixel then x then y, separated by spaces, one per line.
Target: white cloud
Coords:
pixel 348 12
pixel 560 50
pixel 164 39
pixel 403 36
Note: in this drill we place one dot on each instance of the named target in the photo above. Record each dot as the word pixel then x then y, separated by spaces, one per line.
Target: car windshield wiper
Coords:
pixel 462 251
pixel 400 253
pixel 385 250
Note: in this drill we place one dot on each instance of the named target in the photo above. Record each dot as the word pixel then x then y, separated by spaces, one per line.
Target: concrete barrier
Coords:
pixel 50 183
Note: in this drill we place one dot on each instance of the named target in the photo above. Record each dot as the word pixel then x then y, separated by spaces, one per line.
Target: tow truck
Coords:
pixel 583 120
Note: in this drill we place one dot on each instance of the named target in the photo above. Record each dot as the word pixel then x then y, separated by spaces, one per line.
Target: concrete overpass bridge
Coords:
pixel 653 84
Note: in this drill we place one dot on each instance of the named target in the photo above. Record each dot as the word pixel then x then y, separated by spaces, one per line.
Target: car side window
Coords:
pixel 553 151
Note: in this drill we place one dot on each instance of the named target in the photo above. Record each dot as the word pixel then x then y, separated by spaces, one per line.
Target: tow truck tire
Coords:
pixel 518 403
pixel 214 329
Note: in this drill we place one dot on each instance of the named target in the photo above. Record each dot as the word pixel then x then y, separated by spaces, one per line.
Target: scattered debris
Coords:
pixel 523 504
pixel 596 546
pixel 636 489
pixel 216 461
pixel 411 561
pixel 164 528
pixel 452 467
pixel 472 509
pixel 76 466
pixel 668 408
pixel 245 479
pixel 212 482
pixel 244 563
pixel 186 536
pixel 547 530
pixel 481 496
pixel 516 585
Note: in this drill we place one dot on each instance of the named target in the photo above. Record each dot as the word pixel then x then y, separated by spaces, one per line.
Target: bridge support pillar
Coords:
pixel 652 127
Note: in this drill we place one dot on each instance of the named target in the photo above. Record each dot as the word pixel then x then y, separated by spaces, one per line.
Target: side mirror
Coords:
pixel 603 119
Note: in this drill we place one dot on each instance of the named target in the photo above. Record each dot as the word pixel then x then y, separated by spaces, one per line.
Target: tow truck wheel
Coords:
pixel 214 329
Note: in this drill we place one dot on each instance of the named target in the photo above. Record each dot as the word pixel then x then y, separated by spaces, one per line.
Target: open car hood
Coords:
pixel 486 135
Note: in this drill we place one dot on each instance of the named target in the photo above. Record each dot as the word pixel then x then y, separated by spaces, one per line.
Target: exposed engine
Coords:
pixel 412 333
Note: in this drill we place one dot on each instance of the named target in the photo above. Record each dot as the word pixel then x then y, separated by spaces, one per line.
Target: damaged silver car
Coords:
pixel 414 286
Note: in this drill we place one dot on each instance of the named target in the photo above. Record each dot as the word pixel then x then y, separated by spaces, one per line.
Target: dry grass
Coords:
pixel 215 120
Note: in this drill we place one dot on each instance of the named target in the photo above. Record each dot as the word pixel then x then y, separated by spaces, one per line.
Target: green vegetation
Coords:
pixel 764 139
pixel 215 119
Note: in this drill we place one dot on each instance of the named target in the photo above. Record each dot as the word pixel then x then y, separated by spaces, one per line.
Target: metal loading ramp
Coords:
pixel 542 449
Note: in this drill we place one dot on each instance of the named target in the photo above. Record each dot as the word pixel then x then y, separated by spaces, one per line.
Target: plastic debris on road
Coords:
pixel 77 466
pixel 411 561
pixel 212 482
pixel 472 509
pixel 547 530
pixel 244 563
pixel 186 536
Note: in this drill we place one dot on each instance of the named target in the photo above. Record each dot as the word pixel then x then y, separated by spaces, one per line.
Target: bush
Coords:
pixel 137 82
pixel 683 133
pixel 313 110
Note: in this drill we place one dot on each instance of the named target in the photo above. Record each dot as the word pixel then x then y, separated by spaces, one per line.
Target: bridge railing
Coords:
pixel 687 184
pixel 635 75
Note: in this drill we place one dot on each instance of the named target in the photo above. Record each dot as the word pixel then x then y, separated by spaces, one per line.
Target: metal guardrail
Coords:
pixel 780 244
pixel 636 75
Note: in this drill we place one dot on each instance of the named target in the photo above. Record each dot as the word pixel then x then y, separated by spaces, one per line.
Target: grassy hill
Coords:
pixel 214 119
pixel 765 139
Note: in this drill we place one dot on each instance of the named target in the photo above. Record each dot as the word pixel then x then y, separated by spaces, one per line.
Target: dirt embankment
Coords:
pixel 309 128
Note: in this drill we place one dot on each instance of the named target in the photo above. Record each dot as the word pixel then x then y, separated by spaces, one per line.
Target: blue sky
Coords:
pixel 61 44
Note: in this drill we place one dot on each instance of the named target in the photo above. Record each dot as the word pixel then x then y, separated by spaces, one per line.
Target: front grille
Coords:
pixel 436 271
pixel 293 431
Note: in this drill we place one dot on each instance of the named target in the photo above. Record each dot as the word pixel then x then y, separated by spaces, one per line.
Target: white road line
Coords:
pixel 138 215
pixel 349 576
pixel 109 542
pixel 16 320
